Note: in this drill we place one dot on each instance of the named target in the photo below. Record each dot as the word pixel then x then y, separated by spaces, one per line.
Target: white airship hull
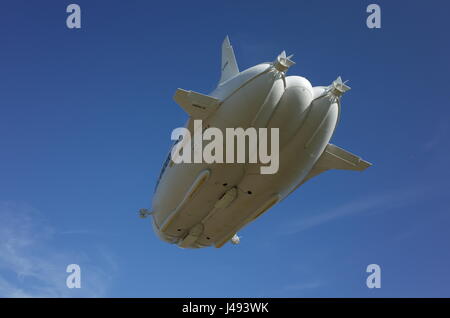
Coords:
pixel 198 204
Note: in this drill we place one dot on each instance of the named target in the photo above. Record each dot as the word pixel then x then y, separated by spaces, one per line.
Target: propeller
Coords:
pixel 282 63
pixel 143 213
pixel 236 239
pixel 337 89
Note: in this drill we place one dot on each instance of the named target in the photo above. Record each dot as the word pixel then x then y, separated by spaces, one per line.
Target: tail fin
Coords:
pixel 229 65
pixel 198 106
pixel 336 158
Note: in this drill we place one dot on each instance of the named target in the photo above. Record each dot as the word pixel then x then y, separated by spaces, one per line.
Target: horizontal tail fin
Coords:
pixel 336 158
pixel 198 106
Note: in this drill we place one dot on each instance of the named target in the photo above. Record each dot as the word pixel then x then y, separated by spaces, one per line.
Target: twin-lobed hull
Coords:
pixel 198 204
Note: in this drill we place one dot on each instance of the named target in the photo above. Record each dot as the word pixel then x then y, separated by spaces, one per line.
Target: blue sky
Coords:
pixel 85 123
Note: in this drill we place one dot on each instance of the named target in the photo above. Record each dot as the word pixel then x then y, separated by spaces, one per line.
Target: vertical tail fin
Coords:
pixel 229 65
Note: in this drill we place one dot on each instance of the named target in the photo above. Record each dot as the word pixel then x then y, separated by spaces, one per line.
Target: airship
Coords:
pixel 204 204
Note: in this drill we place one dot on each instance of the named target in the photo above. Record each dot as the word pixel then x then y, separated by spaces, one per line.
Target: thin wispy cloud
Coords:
pixel 371 204
pixel 33 265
